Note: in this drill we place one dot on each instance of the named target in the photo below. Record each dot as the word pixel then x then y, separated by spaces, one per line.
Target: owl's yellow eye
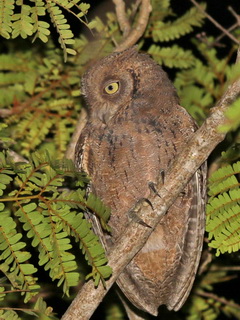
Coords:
pixel 112 87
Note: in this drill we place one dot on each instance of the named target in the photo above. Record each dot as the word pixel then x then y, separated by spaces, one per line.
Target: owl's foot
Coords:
pixel 160 182
pixel 133 214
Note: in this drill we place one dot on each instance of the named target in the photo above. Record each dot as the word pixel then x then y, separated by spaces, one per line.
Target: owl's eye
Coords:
pixel 112 87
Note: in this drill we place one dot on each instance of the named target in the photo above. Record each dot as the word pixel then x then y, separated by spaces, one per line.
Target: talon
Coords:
pixel 152 188
pixel 162 176
pixel 182 194
pixel 133 213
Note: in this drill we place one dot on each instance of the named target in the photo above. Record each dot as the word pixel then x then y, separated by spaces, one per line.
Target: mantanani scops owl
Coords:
pixel 134 131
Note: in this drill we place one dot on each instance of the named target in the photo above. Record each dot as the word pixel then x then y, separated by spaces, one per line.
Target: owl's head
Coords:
pixel 120 78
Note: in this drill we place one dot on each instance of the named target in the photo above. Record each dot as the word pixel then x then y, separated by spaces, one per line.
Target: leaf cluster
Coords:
pixel 20 19
pixel 39 98
pixel 40 214
pixel 223 209
pixel 163 29
pixel 204 304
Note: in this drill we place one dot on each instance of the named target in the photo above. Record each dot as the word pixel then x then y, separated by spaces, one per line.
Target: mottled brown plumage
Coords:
pixel 134 131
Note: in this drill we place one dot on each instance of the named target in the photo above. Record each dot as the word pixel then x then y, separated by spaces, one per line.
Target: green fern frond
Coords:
pixel 40 28
pixel 6 13
pixel 14 261
pixel 224 179
pixel 40 101
pixel 42 309
pixel 203 84
pixel 204 304
pixel 49 218
pixel 223 209
pixel 160 11
pixel 172 56
pixel 168 31
pixel 23 23
pixel 9 315
pixel 62 27
pixel 20 19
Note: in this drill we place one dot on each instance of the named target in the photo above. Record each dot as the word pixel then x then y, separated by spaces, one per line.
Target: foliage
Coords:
pixel 41 95
pixel 206 305
pixel 36 209
pixel 44 211
pixel 223 209
pixel 203 84
pixel 20 19
pixel 163 29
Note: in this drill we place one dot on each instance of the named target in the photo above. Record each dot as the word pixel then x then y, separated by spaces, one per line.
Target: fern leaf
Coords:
pixel 80 229
pixel 6 12
pixel 9 315
pixel 223 209
pixel 172 56
pixel 15 259
pixel 63 29
pixel 23 24
pixel 183 25
pixel 40 28
pixel 224 178
pixel 50 218
pixel 42 308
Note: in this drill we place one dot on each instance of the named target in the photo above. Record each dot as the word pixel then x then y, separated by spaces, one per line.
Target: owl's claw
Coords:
pixel 153 188
pixel 161 177
pixel 160 181
pixel 133 214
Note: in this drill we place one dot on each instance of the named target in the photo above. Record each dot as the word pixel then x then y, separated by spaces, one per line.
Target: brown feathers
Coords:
pixel 135 129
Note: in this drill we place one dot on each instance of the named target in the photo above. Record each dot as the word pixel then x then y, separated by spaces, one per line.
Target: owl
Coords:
pixel 134 131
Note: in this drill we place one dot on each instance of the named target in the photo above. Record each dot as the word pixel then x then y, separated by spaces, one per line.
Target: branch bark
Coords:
pixel 122 17
pixel 137 31
pixel 218 25
pixel 188 161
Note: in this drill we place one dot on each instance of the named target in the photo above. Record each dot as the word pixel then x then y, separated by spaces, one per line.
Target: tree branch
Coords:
pixel 213 296
pixel 187 162
pixel 137 31
pixel 218 25
pixel 122 17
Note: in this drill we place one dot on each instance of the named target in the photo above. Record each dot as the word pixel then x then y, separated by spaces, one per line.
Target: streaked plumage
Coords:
pixel 131 136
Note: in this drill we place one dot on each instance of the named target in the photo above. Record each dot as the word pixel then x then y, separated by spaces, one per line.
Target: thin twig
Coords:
pixel 137 31
pixel 135 9
pixel 122 17
pixel 225 268
pixel 217 298
pixel 187 162
pixel 218 25
pixel 236 16
pixel 234 26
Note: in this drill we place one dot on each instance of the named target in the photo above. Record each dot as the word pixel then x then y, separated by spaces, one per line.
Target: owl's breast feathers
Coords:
pixel 122 158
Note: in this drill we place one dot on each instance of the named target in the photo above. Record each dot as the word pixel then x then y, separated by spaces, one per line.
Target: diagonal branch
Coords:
pixel 188 161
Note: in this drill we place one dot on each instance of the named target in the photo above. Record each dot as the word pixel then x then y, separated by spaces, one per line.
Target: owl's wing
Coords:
pixel 165 274
pixel 82 163
pixel 192 248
